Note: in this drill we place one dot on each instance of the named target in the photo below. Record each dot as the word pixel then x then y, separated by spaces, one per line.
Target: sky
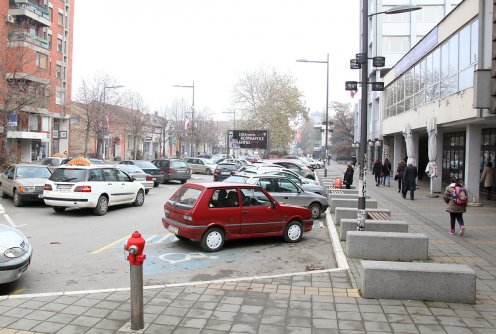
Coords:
pixel 150 46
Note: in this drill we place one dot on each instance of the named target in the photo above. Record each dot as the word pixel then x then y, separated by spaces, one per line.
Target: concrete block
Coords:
pixel 344 213
pixel 387 246
pixel 350 203
pixel 445 282
pixel 345 196
pixel 373 226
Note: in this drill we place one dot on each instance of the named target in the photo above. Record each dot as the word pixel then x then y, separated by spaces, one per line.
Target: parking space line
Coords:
pixel 109 245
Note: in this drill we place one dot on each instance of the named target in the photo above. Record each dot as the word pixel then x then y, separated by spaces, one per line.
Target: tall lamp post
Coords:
pixel 326 155
pixel 234 128
pixel 106 117
pixel 362 61
pixel 192 115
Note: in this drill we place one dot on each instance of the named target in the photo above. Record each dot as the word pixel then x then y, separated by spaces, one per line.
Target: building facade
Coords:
pixel 35 77
pixel 446 77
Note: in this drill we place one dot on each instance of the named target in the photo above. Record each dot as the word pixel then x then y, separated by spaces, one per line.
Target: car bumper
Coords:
pixel 187 231
pixel 31 197
pixel 147 184
pixel 307 225
pixel 69 200
pixel 12 270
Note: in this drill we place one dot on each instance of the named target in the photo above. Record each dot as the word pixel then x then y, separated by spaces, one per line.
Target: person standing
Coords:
pixel 376 171
pixel 455 210
pixel 386 172
pixel 409 177
pixel 400 170
pixel 487 179
pixel 348 176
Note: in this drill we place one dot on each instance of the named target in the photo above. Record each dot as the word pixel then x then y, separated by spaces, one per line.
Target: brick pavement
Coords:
pixel 325 301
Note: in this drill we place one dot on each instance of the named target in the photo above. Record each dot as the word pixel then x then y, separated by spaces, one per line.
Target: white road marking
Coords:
pixel 11 222
pixel 174 258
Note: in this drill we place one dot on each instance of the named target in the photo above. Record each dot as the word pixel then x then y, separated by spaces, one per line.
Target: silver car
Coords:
pixel 138 174
pixel 285 190
pixel 15 255
pixel 201 165
pixel 303 182
pixel 24 182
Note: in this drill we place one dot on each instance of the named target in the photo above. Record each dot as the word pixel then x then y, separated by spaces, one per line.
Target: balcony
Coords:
pixel 16 37
pixel 31 10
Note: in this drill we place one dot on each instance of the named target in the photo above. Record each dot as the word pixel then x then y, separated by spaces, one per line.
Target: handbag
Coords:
pixel 396 177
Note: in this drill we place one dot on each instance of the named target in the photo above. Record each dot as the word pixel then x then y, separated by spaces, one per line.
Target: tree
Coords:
pixel 270 101
pixel 136 121
pixel 343 126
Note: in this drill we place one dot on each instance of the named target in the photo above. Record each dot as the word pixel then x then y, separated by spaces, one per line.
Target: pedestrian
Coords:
pixel 354 161
pixel 488 178
pixel 456 208
pixel 400 170
pixel 348 176
pixel 409 177
pixel 376 171
pixel 386 172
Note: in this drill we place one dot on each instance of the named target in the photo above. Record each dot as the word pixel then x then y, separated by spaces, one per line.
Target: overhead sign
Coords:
pixel 248 139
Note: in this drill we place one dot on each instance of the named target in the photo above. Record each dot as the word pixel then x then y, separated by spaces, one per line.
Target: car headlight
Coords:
pixel 14 252
pixel 26 189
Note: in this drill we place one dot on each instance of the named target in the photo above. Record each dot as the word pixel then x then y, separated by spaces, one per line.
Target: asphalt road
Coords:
pixel 76 250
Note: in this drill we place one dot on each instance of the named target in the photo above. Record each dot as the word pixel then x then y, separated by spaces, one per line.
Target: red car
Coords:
pixel 214 212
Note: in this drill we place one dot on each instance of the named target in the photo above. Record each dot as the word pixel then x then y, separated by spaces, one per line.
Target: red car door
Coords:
pixel 258 215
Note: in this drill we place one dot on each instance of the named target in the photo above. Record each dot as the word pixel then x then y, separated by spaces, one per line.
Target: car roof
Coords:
pixel 221 185
pixel 86 167
pixel 28 165
pixel 227 163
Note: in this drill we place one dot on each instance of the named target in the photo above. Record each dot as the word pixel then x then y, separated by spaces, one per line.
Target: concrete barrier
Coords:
pixel 350 203
pixel 347 196
pixel 387 246
pixel 344 191
pixel 343 213
pixel 373 226
pixel 445 282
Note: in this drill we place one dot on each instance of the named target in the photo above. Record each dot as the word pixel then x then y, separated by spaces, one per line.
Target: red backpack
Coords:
pixel 338 183
pixel 460 196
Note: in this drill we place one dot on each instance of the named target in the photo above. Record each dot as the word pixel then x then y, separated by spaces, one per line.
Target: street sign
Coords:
pixel 351 85
pixel 248 139
pixel 361 58
pixel 378 86
pixel 379 61
pixel 354 64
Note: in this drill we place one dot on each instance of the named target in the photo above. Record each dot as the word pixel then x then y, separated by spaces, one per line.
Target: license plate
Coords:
pixel 173 229
pixel 225 173
pixel 40 195
pixel 64 186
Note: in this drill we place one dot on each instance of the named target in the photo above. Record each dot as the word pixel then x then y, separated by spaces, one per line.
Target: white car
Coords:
pixel 95 186
pixel 15 254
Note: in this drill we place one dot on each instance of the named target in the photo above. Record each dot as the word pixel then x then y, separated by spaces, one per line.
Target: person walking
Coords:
pixel 487 179
pixel 386 172
pixel 376 171
pixel 400 170
pixel 456 210
pixel 348 176
pixel 409 177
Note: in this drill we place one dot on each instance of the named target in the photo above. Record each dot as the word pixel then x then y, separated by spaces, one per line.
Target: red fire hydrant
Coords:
pixel 135 246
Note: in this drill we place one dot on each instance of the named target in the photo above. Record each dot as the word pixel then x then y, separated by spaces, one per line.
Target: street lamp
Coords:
pixel 192 114
pixel 106 117
pixel 326 105
pixel 234 128
pixel 363 106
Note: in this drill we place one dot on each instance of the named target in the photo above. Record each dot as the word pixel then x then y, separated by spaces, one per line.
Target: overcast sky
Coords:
pixel 149 46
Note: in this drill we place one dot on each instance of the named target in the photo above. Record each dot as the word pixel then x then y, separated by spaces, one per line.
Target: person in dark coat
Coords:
pixel 456 211
pixel 409 179
pixel 376 171
pixel 386 172
pixel 348 176
pixel 400 170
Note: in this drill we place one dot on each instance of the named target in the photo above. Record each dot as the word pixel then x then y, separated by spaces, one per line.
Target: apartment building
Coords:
pixel 35 77
pixel 446 77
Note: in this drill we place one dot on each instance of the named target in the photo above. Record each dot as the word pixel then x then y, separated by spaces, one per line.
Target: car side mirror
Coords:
pixel 274 205
pixel 10 177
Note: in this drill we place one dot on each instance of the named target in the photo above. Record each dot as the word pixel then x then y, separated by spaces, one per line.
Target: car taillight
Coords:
pixel 188 217
pixel 82 189
pixel 47 187
pixel 166 212
pixel 190 170
pixel 217 172
pixel 161 172
pixel 169 171
pixel 149 178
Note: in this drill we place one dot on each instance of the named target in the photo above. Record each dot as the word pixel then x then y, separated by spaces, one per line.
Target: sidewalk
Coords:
pixel 324 301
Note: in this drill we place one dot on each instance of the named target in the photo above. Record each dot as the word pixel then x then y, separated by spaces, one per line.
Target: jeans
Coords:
pixel 388 177
pixel 456 216
pixel 377 179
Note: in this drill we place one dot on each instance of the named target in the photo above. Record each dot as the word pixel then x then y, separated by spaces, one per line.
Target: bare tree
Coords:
pixel 343 126
pixel 136 122
pixel 177 114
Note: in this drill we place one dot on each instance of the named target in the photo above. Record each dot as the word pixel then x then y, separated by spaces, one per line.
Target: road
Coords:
pixel 76 250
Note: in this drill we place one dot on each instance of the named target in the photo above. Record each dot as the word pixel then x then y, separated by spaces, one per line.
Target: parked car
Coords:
pixel 306 184
pixel 224 170
pixel 95 186
pixel 173 169
pixel 201 165
pixel 15 256
pixel 54 162
pixel 285 190
pixel 139 175
pixel 295 166
pixel 214 212
pixel 24 182
pixel 148 168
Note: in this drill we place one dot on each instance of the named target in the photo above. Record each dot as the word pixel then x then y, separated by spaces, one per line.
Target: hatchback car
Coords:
pixel 15 256
pixel 139 175
pixel 307 184
pixel 214 212
pixel 24 182
pixel 224 170
pixel 95 186
pixel 201 165
pixel 295 166
pixel 285 190
pixel 148 168
pixel 173 169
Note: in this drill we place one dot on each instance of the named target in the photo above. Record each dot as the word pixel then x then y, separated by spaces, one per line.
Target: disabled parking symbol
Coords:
pixel 174 258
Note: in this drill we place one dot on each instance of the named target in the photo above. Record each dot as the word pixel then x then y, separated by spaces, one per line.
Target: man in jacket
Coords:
pixel 409 177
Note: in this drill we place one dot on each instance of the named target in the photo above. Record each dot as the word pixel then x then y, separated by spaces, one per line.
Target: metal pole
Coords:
pixel 104 125
pixel 327 119
pixel 193 120
pixel 362 182
pixel 137 317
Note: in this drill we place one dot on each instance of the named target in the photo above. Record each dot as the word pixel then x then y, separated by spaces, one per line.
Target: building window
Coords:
pixel 59 45
pixel 395 44
pixel 488 148
pixel 60 72
pixel 453 156
pixel 33 123
pixel 59 97
pixel 429 14
pixel 397 18
pixel 60 19
pixel 41 60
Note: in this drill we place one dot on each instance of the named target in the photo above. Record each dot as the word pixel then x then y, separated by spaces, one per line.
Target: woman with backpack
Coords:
pixel 455 196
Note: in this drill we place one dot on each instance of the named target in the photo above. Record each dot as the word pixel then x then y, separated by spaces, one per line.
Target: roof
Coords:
pixel 222 185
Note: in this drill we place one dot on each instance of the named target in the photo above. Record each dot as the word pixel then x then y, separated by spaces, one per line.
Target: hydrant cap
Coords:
pixel 136 234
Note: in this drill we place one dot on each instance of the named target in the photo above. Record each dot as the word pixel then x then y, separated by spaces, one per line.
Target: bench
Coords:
pixel 379 215
pixel 387 246
pixel 444 282
pixel 336 192
pixel 350 203
pixel 373 226
pixel 343 213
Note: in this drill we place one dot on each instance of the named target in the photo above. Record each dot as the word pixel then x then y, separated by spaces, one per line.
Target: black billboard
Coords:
pixel 248 139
